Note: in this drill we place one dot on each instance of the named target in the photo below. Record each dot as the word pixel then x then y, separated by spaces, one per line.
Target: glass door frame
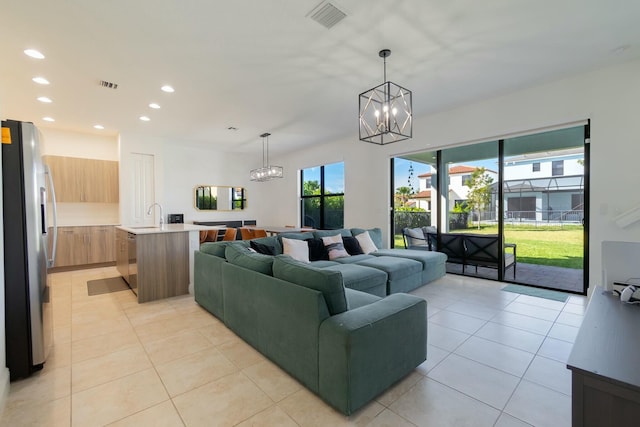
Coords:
pixel 441 218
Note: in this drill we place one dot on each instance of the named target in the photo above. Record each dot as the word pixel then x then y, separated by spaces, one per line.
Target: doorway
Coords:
pixel 530 192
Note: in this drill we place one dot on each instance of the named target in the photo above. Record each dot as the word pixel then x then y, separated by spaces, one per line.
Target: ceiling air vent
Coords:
pixel 327 14
pixel 108 85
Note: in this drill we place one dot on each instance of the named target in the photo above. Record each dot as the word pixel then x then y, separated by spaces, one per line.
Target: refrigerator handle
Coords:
pixel 52 260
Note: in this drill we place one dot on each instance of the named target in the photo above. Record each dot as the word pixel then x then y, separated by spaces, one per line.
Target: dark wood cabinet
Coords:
pixel 603 361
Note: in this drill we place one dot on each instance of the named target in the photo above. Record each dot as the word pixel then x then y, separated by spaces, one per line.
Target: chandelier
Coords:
pixel 385 111
pixel 267 171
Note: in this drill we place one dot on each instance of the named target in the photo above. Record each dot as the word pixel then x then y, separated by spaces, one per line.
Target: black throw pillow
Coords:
pixel 317 250
pixel 262 248
pixel 352 245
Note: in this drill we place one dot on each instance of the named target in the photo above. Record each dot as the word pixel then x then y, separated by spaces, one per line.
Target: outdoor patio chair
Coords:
pixel 483 251
pixel 414 238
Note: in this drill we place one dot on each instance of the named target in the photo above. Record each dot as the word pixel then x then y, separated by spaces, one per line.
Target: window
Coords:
pixel 536 167
pixel 322 197
pixel 466 179
pixel 557 167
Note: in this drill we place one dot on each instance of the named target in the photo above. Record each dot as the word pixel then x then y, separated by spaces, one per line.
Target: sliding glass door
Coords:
pixel 544 206
pixel 512 210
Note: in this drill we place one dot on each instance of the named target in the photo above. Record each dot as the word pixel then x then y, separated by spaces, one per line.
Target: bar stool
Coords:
pixel 230 234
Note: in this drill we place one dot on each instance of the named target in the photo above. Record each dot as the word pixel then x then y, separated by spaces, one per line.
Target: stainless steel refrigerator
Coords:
pixel 27 253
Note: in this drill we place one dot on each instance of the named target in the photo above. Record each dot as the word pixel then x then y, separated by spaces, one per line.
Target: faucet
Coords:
pixel 161 216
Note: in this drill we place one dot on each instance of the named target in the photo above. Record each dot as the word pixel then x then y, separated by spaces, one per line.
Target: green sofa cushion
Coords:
pixel 243 257
pixel 296 236
pixel 326 281
pixel 359 299
pixel 319 234
pixel 374 233
pixel 214 248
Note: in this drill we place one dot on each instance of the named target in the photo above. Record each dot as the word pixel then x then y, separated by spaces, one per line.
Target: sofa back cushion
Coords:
pixel 374 233
pixel 319 234
pixel 326 281
pixel 241 256
pixel 218 248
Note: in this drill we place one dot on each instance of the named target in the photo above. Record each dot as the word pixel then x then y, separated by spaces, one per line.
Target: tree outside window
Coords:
pixel 479 196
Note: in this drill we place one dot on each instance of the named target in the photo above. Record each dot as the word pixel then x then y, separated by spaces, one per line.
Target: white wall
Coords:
pixel 178 170
pixel 74 144
pixel 608 97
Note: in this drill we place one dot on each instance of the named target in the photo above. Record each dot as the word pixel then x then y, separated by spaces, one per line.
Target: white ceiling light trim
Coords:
pixel 99 127
pixel 45 99
pixel 154 106
pixel 145 118
pixel 34 53
pixel 40 80
pixel 167 88
pixel 48 119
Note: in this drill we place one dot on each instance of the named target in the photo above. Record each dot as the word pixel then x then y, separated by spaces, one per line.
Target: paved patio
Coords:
pixel 564 279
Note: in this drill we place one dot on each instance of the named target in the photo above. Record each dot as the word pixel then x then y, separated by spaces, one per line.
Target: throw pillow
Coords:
pixel 262 248
pixel 366 243
pixel 335 247
pixel 317 251
pixel 352 245
pixel 296 249
pixel 375 234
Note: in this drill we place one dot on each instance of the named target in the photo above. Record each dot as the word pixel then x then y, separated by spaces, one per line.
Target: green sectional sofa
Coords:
pixel 340 327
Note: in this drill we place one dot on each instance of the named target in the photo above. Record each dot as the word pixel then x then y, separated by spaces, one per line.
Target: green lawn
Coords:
pixel 561 247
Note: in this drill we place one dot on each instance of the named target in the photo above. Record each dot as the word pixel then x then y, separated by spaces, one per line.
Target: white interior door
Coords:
pixel 142 174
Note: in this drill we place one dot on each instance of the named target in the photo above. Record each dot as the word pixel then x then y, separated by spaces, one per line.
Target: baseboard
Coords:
pixel 4 389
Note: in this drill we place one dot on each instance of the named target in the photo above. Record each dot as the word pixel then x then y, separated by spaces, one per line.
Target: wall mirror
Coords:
pixel 220 198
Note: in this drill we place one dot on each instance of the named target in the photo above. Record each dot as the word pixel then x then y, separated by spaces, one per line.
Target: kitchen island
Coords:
pixel 157 262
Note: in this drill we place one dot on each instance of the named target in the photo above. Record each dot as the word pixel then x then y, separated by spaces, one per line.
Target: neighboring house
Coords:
pixel 540 186
pixel 458 191
pixel 545 186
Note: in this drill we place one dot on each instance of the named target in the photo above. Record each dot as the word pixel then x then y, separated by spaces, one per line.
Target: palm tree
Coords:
pixel 402 195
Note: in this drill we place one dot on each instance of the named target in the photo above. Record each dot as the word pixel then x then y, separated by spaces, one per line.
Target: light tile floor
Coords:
pixel 494 359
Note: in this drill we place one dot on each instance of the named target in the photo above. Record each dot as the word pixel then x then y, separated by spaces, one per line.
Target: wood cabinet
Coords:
pixel 605 378
pixel 84 180
pixel 155 265
pixel 85 245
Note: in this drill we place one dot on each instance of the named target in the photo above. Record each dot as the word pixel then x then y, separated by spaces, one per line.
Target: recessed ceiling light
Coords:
pixel 48 119
pixel 40 80
pixel 34 54
pixel 144 118
pixel 154 106
pixel 98 127
pixel 44 99
pixel 167 88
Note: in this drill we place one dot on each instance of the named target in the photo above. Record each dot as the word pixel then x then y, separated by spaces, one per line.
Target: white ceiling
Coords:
pixel 264 66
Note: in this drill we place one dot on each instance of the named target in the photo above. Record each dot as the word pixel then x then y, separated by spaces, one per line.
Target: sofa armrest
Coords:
pixel 364 351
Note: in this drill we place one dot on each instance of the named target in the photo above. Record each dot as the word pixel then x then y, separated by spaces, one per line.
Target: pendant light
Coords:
pixel 267 171
pixel 385 111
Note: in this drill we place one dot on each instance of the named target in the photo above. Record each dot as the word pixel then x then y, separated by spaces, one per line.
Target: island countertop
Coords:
pixel 166 228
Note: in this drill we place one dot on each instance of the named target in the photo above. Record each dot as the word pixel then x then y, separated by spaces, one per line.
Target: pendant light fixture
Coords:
pixel 385 111
pixel 267 171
